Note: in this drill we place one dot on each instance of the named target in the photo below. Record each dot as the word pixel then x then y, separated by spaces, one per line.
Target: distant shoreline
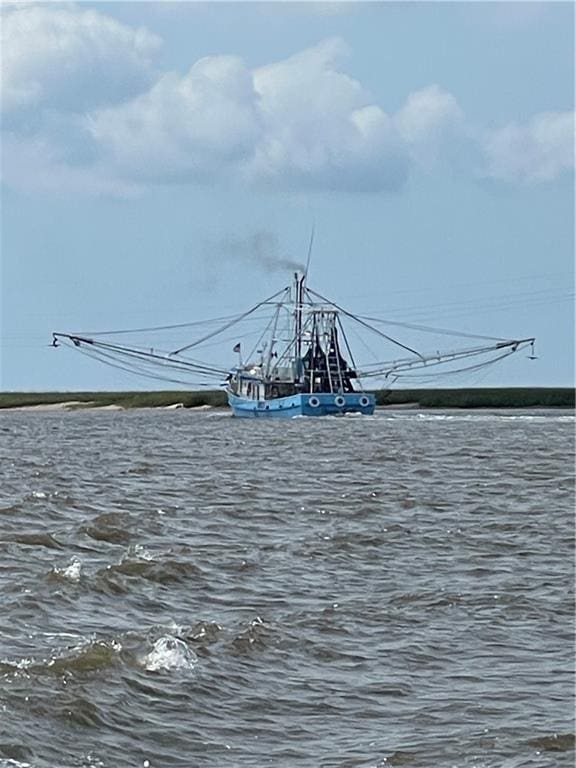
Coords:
pixel 493 397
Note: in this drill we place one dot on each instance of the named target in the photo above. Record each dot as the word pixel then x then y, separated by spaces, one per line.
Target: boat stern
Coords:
pixel 328 404
pixel 309 404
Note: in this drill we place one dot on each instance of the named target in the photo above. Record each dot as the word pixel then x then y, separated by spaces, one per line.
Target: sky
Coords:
pixel 146 147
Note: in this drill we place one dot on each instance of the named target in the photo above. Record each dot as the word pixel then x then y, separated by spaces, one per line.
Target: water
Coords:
pixel 180 588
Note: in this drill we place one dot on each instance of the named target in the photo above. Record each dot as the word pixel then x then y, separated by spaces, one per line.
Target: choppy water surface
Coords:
pixel 181 588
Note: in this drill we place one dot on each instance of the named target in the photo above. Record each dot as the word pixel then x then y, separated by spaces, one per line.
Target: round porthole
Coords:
pixel 364 401
pixel 339 401
pixel 313 402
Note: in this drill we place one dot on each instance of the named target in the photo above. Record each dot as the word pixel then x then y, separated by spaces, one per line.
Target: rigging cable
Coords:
pixel 229 324
pixel 366 325
pixel 434 360
pixel 133 370
pixel 114 349
pixel 466 369
pixel 160 327
pixel 431 329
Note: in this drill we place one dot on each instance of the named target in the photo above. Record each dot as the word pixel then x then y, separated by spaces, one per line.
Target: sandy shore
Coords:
pixel 83 405
pixel 70 405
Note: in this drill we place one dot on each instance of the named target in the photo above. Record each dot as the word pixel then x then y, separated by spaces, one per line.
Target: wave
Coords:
pixel 170 653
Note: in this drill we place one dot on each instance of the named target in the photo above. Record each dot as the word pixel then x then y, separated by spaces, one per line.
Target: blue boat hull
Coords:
pixel 319 404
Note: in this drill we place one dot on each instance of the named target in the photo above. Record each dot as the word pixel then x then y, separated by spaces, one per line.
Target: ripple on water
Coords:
pixel 181 589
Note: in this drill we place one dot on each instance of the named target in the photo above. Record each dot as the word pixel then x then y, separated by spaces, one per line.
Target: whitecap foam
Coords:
pixel 169 653
pixel 174 629
pixel 72 572
pixel 20 664
pixel 139 552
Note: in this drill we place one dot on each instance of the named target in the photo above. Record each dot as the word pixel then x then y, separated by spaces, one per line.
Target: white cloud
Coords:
pixel 320 128
pixel 187 127
pixel 82 104
pixel 70 59
pixel 429 122
pixel 537 151
pixel 299 122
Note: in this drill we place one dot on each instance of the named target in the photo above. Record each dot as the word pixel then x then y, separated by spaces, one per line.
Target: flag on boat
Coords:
pixel 236 348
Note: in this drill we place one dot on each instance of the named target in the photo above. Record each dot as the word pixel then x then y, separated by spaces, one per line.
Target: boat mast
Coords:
pixel 299 291
pixel 271 350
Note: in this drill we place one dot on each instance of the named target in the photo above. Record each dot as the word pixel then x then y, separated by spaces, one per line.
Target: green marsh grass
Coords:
pixel 505 397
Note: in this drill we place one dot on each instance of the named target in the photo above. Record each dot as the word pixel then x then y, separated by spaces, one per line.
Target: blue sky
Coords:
pixel 431 143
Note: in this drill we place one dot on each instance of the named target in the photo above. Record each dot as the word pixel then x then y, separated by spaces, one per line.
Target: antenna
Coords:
pixel 310 249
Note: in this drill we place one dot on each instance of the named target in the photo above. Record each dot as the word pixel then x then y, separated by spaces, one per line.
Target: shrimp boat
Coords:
pixel 307 375
pixel 299 364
